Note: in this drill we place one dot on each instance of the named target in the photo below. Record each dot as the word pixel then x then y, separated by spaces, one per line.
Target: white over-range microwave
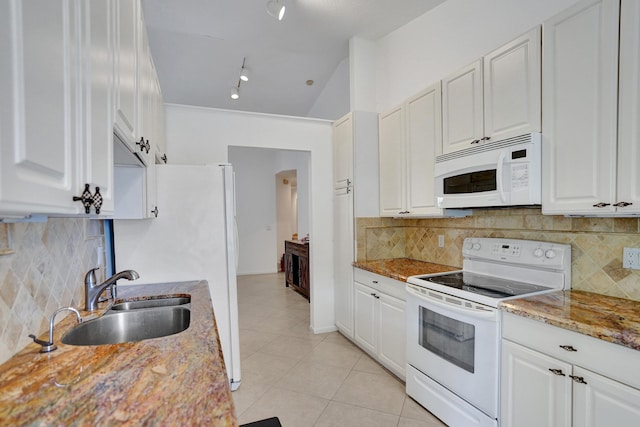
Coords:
pixel 500 173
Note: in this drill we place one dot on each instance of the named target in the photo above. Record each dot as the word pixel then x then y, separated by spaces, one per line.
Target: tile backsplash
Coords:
pixel 43 270
pixel 596 243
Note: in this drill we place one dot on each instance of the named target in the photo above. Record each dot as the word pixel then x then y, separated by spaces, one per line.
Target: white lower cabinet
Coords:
pixel 554 377
pixel 380 326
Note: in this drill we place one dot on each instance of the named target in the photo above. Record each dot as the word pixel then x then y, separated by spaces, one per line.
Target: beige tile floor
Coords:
pixel 306 379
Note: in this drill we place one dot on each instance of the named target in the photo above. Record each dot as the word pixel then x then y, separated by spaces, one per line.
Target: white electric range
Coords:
pixel 453 324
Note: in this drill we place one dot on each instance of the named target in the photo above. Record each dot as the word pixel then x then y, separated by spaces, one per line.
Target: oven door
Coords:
pixel 455 342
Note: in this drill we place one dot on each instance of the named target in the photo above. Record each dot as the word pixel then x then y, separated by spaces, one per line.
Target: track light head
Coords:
pixel 276 9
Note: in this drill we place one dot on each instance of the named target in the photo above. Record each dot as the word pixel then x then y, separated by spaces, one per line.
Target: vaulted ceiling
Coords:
pixel 198 47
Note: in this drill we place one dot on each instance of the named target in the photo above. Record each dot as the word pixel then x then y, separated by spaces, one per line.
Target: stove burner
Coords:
pixel 492 287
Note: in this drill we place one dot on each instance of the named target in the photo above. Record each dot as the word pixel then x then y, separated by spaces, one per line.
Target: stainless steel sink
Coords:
pixel 171 301
pixel 119 326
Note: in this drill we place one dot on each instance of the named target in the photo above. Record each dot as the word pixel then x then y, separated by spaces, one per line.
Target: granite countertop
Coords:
pixel 175 380
pixel 402 268
pixel 611 319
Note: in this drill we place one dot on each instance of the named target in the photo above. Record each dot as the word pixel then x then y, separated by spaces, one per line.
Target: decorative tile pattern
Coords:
pixel 596 243
pixel 45 272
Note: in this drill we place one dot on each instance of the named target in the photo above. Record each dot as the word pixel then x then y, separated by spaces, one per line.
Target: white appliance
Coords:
pixel 501 173
pixel 453 324
pixel 193 238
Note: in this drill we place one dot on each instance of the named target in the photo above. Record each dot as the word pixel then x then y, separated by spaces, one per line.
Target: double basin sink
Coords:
pixel 135 320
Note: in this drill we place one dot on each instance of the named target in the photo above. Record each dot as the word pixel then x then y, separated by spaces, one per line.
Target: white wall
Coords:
pixel 449 37
pixel 198 135
pixel 333 101
pixel 256 195
pixel 255 208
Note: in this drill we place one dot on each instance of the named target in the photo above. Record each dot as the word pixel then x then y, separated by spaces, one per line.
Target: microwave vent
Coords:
pixel 489 146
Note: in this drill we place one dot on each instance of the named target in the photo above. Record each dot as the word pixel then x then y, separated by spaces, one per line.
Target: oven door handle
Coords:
pixel 474 312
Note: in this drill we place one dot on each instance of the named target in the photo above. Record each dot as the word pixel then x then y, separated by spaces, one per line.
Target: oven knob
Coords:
pixel 550 253
pixel 476 246
pixel 538 253
pixel 468 245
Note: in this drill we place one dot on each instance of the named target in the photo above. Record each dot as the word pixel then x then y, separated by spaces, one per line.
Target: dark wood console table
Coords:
pixel 296 266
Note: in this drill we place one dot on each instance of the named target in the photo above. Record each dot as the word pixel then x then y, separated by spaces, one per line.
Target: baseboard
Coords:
pixel 324 330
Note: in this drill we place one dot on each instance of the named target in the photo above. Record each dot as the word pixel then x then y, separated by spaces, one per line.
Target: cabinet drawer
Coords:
pixel 392 287
pixel 611 360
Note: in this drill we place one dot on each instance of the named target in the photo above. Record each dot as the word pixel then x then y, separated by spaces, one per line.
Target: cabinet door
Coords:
pixel 365 316
pixel 604 402
pixel 38 80
pixel 288 268
pixel 462 108
pixel 98 82
pixel 392 173
pixel 532 395
pixel 512 88
pixel 628 180
pixel 343 259
pixel 423 143
pixel 579 109
pixel 343 152
pixel 303 271
pixel 127 79
pixel 392 334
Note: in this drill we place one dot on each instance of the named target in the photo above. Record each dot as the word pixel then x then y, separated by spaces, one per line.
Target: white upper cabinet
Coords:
pixel 462 108
pixel 127 76
pixel 590 110
pixel 423 141
pixel 512 88
pixel 343 152
pixel 494 98
pixel 57 75
pixel 96 164
pixel 392 162
pixel 38 109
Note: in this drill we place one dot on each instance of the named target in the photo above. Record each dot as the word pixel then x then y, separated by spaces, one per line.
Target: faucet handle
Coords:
pixel 37 341
pixel 90 278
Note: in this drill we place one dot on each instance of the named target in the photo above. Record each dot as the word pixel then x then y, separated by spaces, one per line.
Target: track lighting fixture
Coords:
pixel 276 9
pixel 235 92
pixel 244 74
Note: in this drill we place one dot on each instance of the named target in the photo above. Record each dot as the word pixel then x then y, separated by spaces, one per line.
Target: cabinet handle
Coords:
pixel 475 141
pixel 568 348
pixel 97 200
pixel 144 145
pixel 601 205
pixel 622 204
pixel 403 212
pixel 86 198
pixel 485 138
pixel 557 372
pixel 155 212
pixel 577 379
pixel 374 281
pixel 164 158
pixel 375 296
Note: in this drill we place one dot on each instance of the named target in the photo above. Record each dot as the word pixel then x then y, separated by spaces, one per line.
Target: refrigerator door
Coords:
pixel 192 239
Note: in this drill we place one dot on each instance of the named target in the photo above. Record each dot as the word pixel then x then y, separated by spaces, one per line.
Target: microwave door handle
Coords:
pixel 473 312
pixel 499 172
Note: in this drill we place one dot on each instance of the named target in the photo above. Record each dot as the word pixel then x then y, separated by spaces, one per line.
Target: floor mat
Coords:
pixel 269 422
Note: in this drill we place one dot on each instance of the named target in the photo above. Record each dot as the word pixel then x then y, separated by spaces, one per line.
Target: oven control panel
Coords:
pixel 514 251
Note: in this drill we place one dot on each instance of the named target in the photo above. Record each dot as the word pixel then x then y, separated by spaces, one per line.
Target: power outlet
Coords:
pixel 631 258
pixel 441 240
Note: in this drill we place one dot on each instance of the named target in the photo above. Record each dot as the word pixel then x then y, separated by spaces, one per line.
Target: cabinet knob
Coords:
pixel 568 348
pixel 97 200
pixel 601 205
pixel 86 198
pixel 164 158
pixel 144 145
pixel 155 211
pixel 578 379
pixel 557 372
pixel 622 204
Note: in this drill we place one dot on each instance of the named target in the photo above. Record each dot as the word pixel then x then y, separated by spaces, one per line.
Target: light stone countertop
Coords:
pixel 608 318
pixel 174 380
pixel 401 268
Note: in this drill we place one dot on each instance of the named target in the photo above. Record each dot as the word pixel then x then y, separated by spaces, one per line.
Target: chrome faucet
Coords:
pixel 50 346
pixel 93 291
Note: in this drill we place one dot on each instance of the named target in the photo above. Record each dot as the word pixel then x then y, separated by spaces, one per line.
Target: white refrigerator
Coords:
pixel 193 238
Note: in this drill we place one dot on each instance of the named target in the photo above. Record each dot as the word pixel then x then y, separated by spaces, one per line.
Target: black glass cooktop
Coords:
pixel 489 286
